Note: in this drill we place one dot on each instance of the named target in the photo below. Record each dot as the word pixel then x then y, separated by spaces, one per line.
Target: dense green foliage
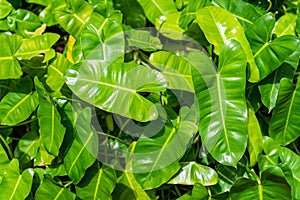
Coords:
pixel 204 103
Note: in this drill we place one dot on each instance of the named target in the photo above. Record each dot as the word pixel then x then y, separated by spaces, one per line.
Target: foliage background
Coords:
pixel 62 137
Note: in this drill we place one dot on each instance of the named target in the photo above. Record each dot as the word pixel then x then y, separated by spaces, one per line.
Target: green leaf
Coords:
pixel 46 15
pixel 219 26
pixel 51 130
pixel 36 45
pixel 269 87
pixel 175 69
pixel 5 8
pixel 56 70
pixel 292 160
pixel 73 16
pixel 49 190
pixel 103 39
pixel 199 192
pixel 254 137
pixel 277 50
pixel 269 187
pixel 270 155
pixel 17 107
pixel 133 13
pixel 141 39
pixel 245 12
pixel 285 25
pixel 192 173
pixel 170 27
pixel 97 183
pixel 189 13
pixel 228 174
pixel 157 11
pixel 9 65
pixel 223 119
pixel 16 186
pixel 3 155
pixel 127 186
pixel 104 7
pixel 117 81
pixel 27 147
pixel 21 21
pixel 83 151
pixel 155 158
pixel 298 20
pixel 43 157
pixel 284 121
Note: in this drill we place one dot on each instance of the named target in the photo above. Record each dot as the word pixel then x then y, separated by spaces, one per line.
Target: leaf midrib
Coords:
pixel 80 152
pixel 109 85
pixel 163 148
pixel 222 111
pixel 288 115
pixel 15 188
pixel 15 107
pixel 98 183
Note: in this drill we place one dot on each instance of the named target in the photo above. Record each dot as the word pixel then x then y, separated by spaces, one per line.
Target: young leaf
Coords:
pixel 5 8
pixel 36 45
pixel 254 136
pixel 9 65
pixel 285 25
pixel 22 20
pixel 157 11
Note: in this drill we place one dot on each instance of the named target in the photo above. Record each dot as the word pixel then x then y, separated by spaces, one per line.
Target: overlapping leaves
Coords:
pixel 82 94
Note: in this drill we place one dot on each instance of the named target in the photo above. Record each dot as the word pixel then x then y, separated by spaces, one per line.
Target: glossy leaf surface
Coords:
pixel 16 107
pixel 219 26
pixel 283 126
pixel 49 190
pixel 192 173
pixel 117 81
pixel 225 141
pixel 83 151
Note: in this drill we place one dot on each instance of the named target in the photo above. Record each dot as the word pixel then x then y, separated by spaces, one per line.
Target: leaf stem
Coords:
pixel 296 148
pixel 20 124
pixel 177 191
pixel 270 5
pixel 111 136
pixel 67 184
pixel 10 154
